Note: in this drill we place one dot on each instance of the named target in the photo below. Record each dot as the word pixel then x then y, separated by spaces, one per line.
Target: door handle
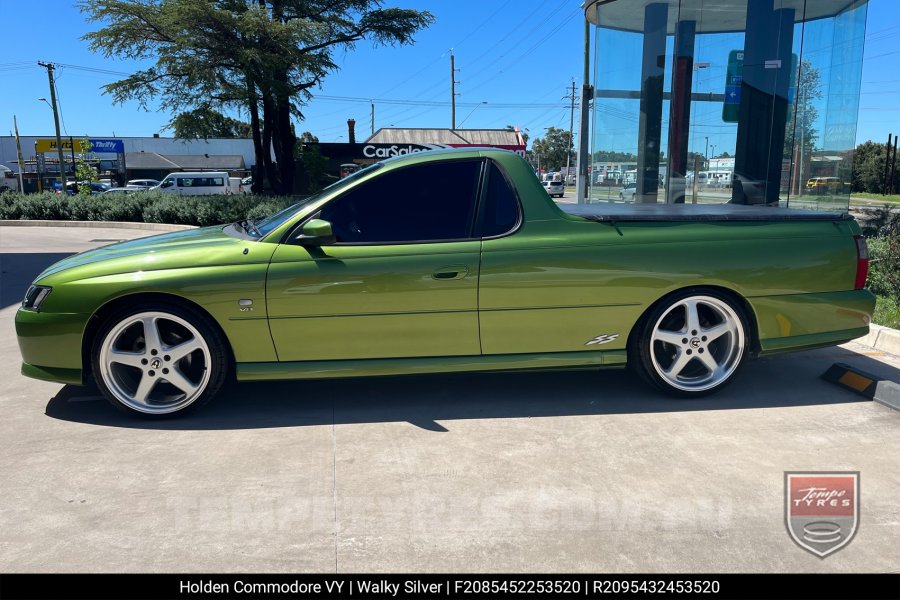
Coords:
pixel 450 272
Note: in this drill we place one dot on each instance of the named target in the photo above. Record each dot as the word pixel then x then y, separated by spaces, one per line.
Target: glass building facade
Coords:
pixel 742 101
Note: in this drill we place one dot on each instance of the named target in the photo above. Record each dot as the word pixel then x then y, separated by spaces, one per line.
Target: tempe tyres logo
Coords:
pixel 821 509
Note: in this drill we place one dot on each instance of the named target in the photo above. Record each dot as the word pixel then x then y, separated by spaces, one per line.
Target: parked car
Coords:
pixel 73 187
pixel 554 188
pixel 627 192
pixel 144 183
pixel 472 268
pixel 124 190
pixel 194 184
pixel 825 185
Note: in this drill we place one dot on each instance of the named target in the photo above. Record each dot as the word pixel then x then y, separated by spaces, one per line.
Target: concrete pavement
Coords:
pixel 580 471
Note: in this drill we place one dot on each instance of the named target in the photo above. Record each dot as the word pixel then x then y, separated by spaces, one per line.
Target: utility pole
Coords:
pixel 887 165
pixel 453 83
pixel 372 103
pixel 59 147
pixel 571 127
pixel 19 156
pixel 893 165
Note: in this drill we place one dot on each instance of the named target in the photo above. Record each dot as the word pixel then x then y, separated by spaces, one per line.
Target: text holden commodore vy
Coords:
pixel 448 260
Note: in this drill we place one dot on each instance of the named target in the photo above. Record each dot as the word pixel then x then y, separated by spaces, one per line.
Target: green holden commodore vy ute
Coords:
pixel 448 260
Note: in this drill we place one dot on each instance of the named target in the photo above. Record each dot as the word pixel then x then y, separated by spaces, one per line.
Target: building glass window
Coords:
pixel 726 101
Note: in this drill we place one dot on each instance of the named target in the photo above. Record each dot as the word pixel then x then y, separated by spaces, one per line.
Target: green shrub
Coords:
pixel 884 265
pixel 149 207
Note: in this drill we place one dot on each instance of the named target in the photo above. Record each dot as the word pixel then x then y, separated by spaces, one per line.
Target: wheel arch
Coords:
pixel 111 306
pixel 734 296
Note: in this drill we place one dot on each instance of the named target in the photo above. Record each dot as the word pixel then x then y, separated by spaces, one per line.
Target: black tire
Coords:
pixel 680 367
pixel 123 334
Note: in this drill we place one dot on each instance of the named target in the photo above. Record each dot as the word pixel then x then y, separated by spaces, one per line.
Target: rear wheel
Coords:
pixel 159 360
pixel 692 344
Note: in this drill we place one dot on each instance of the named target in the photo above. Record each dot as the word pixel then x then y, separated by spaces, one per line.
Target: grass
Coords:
pixel 887 313
pixel 875 199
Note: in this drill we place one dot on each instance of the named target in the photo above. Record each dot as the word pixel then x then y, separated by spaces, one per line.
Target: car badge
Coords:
pixel 602 339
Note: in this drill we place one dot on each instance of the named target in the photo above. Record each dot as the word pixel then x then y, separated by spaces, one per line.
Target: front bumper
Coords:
pixel 50 344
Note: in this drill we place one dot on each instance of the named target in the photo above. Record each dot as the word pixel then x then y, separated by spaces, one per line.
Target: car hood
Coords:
pixel 189 248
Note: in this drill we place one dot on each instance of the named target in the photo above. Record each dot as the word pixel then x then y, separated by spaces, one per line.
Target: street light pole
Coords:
pixel 59 149
pixel 473 110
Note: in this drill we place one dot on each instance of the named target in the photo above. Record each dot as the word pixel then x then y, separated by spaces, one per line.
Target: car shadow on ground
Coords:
pixel 432 402
pixel 19 269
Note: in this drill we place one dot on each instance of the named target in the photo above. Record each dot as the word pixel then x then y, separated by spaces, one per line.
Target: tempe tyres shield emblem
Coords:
pixel 821 509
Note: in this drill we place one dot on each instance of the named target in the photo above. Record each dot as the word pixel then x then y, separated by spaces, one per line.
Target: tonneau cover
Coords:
pixel 619 212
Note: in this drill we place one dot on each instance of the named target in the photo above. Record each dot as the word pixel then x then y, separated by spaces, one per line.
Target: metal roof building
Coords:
pixel 500 138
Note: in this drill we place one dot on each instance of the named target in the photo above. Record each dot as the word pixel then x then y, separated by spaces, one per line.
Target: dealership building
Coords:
pixel 772 84
pixel 388 143
pixel 154 157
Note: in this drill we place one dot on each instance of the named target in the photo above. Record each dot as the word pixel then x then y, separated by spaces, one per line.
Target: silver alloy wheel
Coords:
pixel 697 343
pixel 155 362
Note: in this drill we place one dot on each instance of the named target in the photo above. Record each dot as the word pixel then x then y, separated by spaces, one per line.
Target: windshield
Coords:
pixel 273 222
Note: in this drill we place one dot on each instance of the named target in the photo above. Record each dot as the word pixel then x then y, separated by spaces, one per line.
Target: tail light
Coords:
pixel 862 262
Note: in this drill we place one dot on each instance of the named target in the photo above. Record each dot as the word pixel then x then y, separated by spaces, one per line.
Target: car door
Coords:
pixel 401 280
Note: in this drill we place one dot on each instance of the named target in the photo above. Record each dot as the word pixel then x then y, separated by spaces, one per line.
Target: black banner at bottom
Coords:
pixel 276 586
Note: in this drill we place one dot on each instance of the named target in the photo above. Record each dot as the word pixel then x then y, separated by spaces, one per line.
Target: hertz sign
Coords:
pixel 101 146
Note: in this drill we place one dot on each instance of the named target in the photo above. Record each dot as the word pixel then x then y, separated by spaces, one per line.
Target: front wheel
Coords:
pixel 692 344
pixel 159 360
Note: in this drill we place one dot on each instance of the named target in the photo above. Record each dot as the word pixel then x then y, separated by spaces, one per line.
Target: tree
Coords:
pixel 695 158
pixel 522 133
pixel 607 156
pixel 868 167
pixel 260 56
pixel 205 122
pixel 313 165
pixel 85 172
pixel 551 149
pixel 804 135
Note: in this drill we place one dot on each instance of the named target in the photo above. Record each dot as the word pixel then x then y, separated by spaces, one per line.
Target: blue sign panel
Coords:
pixel 733 94
pixel 110 146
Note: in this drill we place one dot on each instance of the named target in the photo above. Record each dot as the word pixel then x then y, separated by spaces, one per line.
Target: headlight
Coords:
pixel 35 296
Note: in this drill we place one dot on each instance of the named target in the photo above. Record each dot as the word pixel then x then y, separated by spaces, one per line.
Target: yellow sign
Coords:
pixel 49 145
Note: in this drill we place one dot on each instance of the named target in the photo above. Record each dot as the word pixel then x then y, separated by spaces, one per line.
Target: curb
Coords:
pixel 882 338
pixel 107 224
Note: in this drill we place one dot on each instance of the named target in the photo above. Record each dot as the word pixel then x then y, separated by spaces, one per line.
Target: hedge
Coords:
pixel 147 207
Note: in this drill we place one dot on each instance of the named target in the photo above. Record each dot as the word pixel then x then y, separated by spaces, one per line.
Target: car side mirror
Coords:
pixel 316 232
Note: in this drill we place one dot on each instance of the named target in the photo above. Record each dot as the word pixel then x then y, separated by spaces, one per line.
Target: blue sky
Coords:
pixel 517 56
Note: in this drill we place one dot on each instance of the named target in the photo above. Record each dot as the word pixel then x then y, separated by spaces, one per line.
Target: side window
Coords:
pixel 185 182
pixel 218 181
pixel 501 210
pixel 429 202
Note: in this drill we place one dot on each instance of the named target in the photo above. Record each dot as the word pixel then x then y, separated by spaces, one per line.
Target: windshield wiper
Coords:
pixel 249 226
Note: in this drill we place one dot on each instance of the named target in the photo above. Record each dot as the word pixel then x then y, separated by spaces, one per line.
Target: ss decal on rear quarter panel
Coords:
pixel 604 338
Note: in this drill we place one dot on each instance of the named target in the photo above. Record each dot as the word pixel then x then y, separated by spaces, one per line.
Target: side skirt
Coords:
pixel 442 364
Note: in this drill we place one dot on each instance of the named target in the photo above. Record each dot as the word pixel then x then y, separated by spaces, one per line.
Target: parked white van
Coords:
pixel 195 184
pixel 9 180
pixel 235 185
